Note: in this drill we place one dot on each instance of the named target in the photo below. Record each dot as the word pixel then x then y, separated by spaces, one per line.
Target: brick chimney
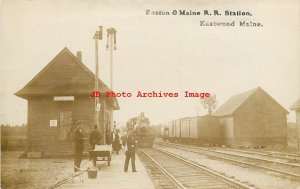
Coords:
pixel 79 56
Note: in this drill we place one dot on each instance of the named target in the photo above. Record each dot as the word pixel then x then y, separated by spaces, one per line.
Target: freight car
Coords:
pixel 143 132
pixel 165 133
pixel 200 130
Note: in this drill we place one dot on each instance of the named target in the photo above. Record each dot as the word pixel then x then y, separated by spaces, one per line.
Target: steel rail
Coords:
pixel 243 156
pixel 214 174
pixel 248 152
pixel 165 172
pixel 255 158
pixel 265 153
pixel 237 161
pixel 284 154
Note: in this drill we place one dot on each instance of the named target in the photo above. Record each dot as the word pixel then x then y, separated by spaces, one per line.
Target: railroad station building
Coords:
pixel 59 96
pixel 252 118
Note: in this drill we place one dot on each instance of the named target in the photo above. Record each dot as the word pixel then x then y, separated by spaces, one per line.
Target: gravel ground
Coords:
pixel 258 177
pixel 32 173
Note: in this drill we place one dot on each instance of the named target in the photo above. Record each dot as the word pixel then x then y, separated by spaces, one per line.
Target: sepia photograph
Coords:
pixel 130 94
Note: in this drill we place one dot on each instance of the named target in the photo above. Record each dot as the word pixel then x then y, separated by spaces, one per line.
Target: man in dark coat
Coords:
pixel 95 137
pixel 116 138
pixel 78 147
pixel 130 147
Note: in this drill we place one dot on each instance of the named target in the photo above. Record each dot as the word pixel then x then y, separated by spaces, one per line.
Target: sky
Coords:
pixel 168 53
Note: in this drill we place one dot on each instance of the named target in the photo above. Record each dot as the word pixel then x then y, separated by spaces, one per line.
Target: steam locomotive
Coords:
pixel 142 131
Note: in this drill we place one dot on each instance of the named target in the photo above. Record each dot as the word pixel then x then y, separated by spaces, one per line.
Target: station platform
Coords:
pixel 113 176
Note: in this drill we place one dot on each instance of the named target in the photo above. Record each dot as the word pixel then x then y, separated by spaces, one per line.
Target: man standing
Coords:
pixel 78 147
pixel 130 146
pixel 95 137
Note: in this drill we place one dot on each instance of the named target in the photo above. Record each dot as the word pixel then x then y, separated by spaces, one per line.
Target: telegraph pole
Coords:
pixel 97 36
pixel 111 46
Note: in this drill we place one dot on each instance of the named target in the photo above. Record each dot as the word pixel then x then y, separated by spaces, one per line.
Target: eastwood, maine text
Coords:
pixel 231 24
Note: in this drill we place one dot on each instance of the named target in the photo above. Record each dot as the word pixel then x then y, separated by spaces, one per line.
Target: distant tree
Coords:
pixel 16 130
pixel 209 103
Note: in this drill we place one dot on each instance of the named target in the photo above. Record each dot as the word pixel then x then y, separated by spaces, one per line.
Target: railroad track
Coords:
pixel 287 169
pixel 185 174
pixel 269 154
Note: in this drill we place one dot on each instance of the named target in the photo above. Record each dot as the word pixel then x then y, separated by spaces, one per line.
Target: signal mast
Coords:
pixel 111 46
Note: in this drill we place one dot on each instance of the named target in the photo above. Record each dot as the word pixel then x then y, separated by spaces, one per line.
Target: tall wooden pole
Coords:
pixel 111 39
pixel 111 63
pixel 96 81
pixel 97 36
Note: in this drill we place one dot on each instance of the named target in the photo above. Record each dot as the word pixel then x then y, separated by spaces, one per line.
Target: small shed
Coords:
pixel 58 96
pixel 252 118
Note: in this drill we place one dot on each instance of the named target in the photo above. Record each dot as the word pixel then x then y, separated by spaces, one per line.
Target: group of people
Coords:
pixel 128 140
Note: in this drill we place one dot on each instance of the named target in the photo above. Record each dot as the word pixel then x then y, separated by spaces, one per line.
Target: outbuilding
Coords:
pixel 252 118
pixel 59 96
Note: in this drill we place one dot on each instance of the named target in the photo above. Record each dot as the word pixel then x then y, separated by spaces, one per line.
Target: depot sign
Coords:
pixel 63 98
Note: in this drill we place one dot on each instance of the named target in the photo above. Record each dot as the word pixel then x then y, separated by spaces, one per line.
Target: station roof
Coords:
pixel 296 105
pixel 65 74
pixel 231 106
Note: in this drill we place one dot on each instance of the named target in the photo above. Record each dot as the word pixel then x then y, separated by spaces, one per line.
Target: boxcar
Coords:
pixel 200 130
pixel 208 128
pixel 171 133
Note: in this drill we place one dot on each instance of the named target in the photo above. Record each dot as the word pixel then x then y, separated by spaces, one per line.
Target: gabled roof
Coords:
pixel 235 102
pixel 296 105
pixel 65 74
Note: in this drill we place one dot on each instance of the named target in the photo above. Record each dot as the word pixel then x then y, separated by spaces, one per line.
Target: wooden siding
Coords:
pixel 208 127
pixel 46 139
pixel 227 124
pixel 171 129
pixel 65 75
pixel 194 128
pixel 177 128
pixel 185 128
pixel 260 121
